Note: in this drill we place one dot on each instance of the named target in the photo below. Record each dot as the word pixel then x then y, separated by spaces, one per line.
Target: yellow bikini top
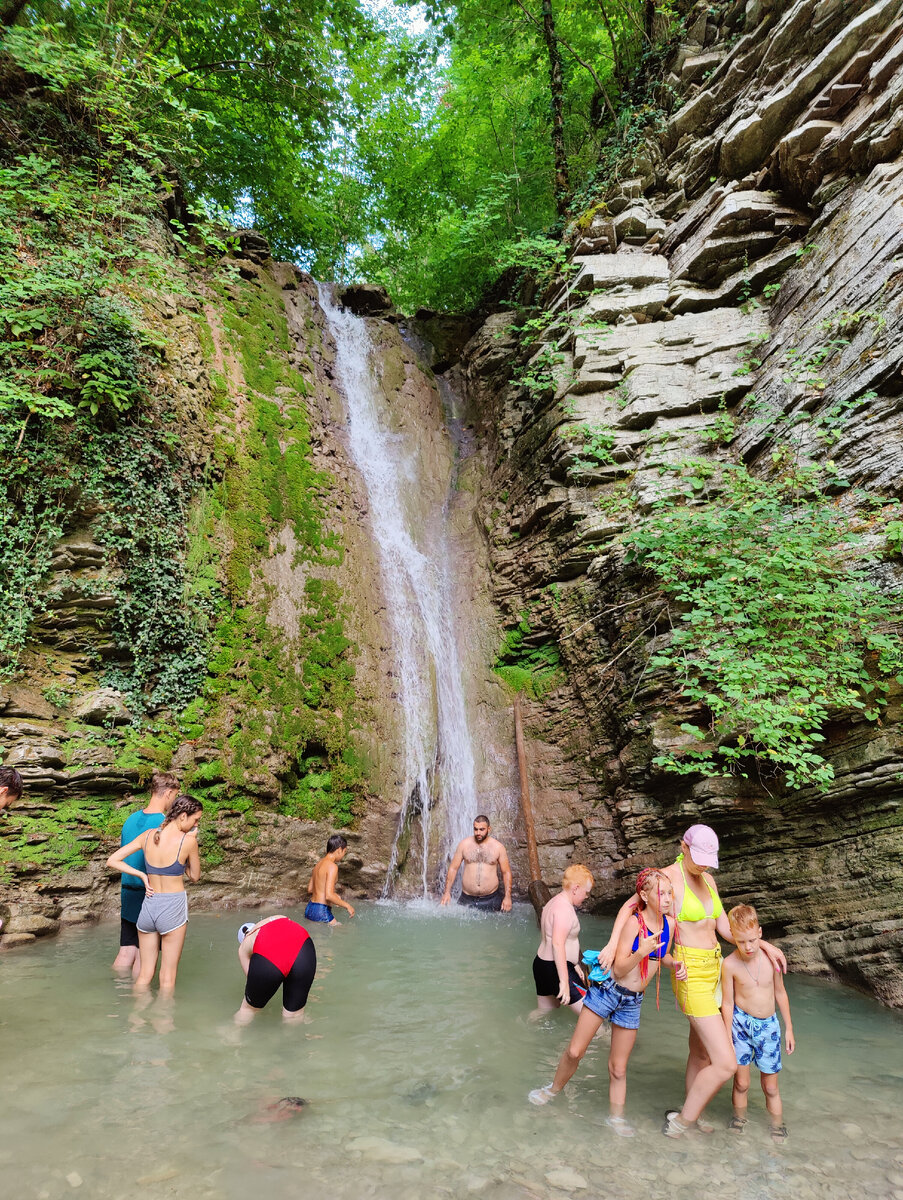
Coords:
pixel 691 908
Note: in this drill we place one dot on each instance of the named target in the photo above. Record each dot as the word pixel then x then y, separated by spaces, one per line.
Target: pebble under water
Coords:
pixel 416 1062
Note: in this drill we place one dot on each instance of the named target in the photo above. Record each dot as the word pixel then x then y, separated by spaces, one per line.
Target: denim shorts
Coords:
pixel 318 912
pixel 757 1040
pixel 615 1004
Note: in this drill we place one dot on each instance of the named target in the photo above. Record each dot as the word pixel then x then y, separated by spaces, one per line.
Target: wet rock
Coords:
pixel 567 1179
pixel 252 245
pixel 35 924
pixel 366 299
pixel 9 941
pixel 104 706
pixel 381 1150
pixel 34 754
pixel 16 700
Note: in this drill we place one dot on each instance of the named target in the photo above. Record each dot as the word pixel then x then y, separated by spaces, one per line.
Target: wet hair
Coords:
pixel 481 817
pixel 743 916
pixel 336 842
pixel 643 880
pixel 12 781
pixel 182 806
pixel 578 874
pixel 291 1103
pixel 163 781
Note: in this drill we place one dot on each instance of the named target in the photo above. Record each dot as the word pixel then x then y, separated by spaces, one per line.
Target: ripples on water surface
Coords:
pixel 416 1061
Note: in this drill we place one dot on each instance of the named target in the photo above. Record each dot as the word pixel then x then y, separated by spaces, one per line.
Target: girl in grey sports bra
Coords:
pixel 174 868
pixel 164 913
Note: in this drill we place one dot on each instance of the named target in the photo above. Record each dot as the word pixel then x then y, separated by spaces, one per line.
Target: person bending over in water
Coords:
pixel 484 858
pixel 276 952
pixel 555 971
pixel 644 943
pixel 278 1110
pixel 322 884
pixel 751 989
pixel 169 852
pixel 699 913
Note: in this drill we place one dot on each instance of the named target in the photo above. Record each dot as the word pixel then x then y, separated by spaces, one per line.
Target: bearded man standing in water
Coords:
pixel 484 858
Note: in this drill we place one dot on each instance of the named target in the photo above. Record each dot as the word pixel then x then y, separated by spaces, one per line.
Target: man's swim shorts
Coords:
pixel 490 903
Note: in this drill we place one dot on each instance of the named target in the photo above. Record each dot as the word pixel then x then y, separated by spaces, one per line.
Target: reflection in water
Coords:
pixel 416 1065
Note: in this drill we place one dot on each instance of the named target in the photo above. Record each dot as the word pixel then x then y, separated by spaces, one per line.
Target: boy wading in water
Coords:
pixel 321 888
pixel 751 989
pixel 555 972
pixel 644 943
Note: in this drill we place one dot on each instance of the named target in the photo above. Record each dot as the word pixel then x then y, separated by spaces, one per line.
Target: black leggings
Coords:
pixel 264 980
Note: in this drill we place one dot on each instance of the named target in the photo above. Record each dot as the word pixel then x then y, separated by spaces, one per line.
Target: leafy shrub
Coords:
pixel 778 626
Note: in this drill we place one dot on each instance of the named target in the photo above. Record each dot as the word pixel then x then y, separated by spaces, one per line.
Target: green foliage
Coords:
pixel 64 839
pixel 893 533
pixel 537 376
pixel 779 627
pixel 526 664
pixel 597 442
pixel 723 428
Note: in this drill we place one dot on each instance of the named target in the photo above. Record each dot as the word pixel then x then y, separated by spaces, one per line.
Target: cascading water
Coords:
pixel 416 561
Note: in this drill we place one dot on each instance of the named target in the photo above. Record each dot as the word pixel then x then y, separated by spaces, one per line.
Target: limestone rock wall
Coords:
pixel 761 230
pixel 85 763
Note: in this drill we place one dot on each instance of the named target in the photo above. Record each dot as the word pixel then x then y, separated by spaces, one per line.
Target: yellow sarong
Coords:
pixel 699 995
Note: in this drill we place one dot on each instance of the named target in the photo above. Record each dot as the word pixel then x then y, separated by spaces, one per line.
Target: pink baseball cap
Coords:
pixel 702 841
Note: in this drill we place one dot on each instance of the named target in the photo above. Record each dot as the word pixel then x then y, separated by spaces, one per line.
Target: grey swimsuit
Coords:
pixel 164 911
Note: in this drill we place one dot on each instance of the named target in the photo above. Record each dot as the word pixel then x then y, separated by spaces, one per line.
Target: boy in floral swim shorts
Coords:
pixel 751 990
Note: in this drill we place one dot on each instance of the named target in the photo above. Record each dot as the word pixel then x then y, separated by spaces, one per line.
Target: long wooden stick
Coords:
pixel 525 803
pixel 538 890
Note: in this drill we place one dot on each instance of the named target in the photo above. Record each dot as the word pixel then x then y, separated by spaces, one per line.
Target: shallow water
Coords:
pixel 416 1060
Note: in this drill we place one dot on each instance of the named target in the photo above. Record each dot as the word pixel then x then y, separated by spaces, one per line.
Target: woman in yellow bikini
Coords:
pixel 700 915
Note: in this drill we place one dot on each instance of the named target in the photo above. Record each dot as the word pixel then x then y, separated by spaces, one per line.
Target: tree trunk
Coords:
pixel 9 11
pixel 556 89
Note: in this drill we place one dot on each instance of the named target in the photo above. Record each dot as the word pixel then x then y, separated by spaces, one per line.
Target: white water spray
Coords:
pixel 416 560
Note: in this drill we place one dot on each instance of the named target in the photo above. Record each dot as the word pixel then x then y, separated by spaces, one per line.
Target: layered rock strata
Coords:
pixel 742 282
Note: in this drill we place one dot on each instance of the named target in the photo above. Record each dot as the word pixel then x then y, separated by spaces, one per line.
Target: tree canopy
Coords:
pixel 415 146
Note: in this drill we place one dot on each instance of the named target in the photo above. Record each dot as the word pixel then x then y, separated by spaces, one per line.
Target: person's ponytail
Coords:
pixel 182 806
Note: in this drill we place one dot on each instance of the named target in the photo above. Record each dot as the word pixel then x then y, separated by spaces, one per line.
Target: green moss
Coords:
pixel 296 694
pixel 525 663
pixel 73 831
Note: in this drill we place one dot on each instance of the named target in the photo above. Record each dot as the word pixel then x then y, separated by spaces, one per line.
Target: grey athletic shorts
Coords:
pixel 163 912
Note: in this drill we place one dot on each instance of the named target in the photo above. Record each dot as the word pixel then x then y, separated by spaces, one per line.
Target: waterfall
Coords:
pixel 417 565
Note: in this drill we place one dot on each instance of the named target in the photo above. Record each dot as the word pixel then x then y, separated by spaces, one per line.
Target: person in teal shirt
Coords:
pixel 164 789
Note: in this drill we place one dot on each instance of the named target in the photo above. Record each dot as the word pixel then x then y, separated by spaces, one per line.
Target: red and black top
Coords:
pixel 279 942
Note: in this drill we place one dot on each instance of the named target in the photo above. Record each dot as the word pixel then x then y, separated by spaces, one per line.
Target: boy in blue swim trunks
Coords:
pixel 750 991
pixel 322 884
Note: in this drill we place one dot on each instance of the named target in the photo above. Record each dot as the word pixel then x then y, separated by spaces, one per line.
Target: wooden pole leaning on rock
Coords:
pixel 538 891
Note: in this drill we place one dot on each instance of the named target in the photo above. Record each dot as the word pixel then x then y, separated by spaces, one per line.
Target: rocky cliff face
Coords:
pixel 297 727
pixel 739 291
pixel 295 665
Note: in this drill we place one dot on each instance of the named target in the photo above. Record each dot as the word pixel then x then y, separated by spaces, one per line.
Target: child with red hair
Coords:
pixel 641 949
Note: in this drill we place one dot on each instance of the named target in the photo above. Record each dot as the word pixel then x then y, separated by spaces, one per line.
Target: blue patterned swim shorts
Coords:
pixel 757 1040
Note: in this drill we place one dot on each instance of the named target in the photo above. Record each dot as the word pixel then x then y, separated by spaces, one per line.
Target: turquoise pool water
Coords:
pixel 416 1063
